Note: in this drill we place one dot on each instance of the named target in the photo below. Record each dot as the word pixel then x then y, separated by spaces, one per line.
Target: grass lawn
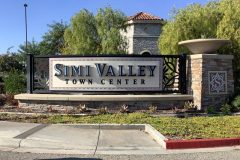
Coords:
pixel 171 127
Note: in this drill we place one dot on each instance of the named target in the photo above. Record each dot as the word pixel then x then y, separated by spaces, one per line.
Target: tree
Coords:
pixel 109 24
pixel 81 36
pixel 194 21
pixel 51 44
pixel 100 34
pixel 32 48
pixel 229 28
pixel 53 41
pixel 217 19
pixel 9 62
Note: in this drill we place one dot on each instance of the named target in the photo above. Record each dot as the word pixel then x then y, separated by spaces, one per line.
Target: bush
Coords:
pixel 9 62
pixel 189 106
pixel 14 83
pixel 211 110
pixel 226 109
pixel 236 103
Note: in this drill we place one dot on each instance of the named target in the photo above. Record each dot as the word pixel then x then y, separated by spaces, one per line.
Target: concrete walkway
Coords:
pixel 80 139
pixel 84 139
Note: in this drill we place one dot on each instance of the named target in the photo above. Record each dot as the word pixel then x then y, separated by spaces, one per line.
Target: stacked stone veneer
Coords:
pixel 145 44
pixel 40 106
pixel 143 36
pixel 210 79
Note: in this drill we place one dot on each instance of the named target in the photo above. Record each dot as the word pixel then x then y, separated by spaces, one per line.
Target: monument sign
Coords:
pixel 106 73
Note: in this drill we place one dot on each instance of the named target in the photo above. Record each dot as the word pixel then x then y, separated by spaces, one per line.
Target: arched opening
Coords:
pixel 146 53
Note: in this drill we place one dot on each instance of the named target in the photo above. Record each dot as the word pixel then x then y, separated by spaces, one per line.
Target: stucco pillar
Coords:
pixel 210 79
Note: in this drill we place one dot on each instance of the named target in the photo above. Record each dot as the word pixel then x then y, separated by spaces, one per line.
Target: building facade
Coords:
pixel 142 33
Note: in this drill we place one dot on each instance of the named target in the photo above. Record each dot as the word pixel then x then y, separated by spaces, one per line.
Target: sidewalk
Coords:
pixel 83 139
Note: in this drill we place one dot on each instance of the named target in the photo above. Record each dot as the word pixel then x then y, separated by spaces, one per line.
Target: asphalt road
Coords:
pixel 226 155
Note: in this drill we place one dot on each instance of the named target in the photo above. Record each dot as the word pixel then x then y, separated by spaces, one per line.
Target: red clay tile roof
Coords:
pixel 143 16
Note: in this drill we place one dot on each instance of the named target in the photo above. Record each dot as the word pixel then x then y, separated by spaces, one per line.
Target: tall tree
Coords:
pixel 100 34
pixel 229 28
pixel 217 19
pixel 81 36
pixel 194 21
pixel 53 41
pixel 109 24
pixel 32 48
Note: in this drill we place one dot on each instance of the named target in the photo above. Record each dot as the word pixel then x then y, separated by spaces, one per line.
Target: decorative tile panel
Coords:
pixel 41 74
pixel 217 82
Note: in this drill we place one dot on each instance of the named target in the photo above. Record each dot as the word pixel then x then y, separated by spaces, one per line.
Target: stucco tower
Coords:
pixel 142 33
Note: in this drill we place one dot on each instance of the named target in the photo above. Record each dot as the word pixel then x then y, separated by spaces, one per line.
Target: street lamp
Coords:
pixel 30 77
pixel 25 6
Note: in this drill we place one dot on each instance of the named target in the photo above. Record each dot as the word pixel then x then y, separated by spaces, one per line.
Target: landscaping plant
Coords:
pixel 103 110
pixel 14 83
pixel 236 103
pixel 211 110
pixel 152 109
pixel 226 109
pixel 171 127
pixel 124 109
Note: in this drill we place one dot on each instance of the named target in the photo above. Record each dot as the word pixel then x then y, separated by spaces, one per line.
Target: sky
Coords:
pixel 40 13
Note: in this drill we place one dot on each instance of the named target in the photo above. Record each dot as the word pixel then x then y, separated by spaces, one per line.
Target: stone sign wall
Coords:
pixel 210 79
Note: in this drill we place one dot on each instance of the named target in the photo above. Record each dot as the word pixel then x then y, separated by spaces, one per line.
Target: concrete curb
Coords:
pixel 201 143
pixel 160 139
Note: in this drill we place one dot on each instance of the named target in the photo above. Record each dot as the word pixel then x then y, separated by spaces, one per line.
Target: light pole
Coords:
pixel 30 77
pixel 25 6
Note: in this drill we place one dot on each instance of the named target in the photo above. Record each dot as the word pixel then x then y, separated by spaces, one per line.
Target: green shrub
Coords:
pixel 9 62
pixel 189 106
pixel 236 103
pixel 211 110
pixel 14 83
pixel 226 109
